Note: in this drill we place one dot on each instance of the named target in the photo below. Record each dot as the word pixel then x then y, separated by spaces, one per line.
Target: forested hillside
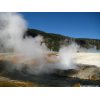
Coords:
pixel 54 41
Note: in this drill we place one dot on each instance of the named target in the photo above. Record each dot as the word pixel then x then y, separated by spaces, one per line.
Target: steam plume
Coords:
pixel 12 28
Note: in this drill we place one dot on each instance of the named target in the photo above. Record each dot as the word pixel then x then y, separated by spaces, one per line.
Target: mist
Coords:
pixel 12 28
pixel 89 50
pixel 67 55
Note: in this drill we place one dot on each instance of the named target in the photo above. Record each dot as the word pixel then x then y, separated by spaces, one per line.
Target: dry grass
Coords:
pixel 77 85
pixel 17 84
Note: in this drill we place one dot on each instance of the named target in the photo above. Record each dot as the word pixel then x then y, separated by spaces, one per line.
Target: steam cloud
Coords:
pixel 67 55
pixel 12 28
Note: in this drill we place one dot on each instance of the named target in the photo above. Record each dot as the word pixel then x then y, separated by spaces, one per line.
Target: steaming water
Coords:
pixel 12 28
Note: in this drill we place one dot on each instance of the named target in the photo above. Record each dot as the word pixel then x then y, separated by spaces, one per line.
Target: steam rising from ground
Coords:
pixel 12 28
pixel 89 50
pixel 67 55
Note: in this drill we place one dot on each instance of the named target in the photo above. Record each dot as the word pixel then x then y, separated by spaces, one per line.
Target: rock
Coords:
pixel 87 72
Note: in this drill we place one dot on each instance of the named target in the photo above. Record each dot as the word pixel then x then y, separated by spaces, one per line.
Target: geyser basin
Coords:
pixel 80 58
pixel 88 59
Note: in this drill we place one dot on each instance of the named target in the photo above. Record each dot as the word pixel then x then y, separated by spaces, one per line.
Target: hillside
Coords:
pixel 54 41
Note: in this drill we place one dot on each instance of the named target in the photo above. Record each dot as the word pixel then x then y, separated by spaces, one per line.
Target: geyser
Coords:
pixel 12 29
pixel 67 56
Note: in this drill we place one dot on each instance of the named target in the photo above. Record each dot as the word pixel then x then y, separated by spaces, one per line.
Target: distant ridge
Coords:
pixel 54 41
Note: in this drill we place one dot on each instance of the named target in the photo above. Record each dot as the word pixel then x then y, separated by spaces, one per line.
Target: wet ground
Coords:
pixel 46 80
pixel 53 80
